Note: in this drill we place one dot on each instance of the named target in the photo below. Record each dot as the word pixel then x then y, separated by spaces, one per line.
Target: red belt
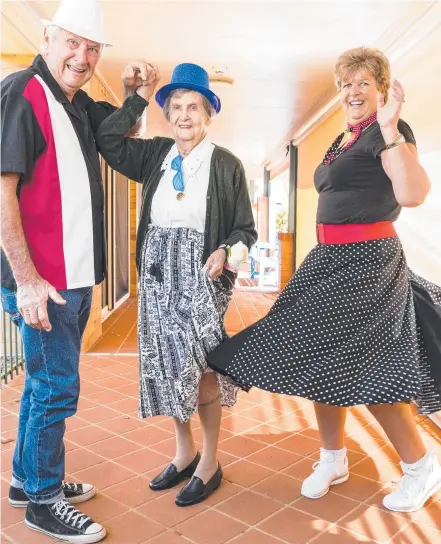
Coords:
pixel 351 233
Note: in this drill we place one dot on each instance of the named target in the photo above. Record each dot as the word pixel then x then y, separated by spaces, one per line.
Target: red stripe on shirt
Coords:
pixel 40 199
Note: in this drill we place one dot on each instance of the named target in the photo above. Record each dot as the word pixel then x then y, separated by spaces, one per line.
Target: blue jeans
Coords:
pixel 50 394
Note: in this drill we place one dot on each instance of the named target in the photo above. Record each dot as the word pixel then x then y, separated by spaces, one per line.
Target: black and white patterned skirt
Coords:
pixel 353 326
pixel 180 320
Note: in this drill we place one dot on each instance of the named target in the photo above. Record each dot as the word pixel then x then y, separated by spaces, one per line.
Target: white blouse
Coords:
pixel 189 212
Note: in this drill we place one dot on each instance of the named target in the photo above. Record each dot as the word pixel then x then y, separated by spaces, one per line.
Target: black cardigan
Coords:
pixel 229 216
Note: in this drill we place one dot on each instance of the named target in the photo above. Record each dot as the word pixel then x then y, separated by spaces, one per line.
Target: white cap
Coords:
pixel 81 17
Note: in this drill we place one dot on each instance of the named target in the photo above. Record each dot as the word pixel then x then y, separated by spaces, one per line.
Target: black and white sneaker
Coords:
pixel 74 493
pixel 63 521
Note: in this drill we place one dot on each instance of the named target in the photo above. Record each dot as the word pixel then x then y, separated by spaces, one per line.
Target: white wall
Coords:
pixel 420 228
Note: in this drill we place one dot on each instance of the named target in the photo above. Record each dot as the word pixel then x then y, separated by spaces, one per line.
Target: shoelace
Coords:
pixel 411 483
pixel 320 465
pixel 71 487
pixel 66 512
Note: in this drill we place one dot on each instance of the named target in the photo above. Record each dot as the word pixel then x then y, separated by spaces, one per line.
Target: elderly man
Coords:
pixel 53 253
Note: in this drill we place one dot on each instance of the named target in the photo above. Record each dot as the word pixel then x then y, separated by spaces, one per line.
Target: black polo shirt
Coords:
pixel 50 142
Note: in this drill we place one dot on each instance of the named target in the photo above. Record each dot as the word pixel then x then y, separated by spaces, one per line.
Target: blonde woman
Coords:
pixel 355 325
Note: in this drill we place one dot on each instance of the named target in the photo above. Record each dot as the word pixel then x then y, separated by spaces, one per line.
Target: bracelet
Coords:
pixel 226 248
pixel 399 139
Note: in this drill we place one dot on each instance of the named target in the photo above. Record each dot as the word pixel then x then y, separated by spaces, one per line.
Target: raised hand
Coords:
pixel 140 77
pixel 388 114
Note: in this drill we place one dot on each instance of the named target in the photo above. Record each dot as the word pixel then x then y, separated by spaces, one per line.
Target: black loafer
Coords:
pixel 196 491
pixel 170 476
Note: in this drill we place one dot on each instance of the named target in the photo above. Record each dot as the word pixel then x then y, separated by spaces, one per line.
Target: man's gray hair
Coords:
pixel 53 30
pixel 209 110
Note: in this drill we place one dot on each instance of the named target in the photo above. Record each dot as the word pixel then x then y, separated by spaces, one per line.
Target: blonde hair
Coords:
pixel 364 58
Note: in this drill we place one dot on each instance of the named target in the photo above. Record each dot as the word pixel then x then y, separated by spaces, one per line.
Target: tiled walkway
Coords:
pixel 268 444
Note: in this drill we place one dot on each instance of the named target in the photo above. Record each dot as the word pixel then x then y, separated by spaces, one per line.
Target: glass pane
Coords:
pixel 104 181
pixel 121 236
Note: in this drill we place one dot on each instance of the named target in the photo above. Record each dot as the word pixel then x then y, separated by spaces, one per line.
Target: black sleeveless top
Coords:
pixel 355 188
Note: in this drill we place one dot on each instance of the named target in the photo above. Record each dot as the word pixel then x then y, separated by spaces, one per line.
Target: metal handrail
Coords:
pixel 11 349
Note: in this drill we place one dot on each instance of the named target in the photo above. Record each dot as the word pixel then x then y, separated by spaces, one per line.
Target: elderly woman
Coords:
pixel 355 325
pixel 195 206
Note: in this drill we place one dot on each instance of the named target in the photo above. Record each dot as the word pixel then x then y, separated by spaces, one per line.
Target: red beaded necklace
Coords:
pixel 335 150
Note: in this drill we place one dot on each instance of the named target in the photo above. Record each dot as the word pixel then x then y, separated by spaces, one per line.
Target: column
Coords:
pixel 287 254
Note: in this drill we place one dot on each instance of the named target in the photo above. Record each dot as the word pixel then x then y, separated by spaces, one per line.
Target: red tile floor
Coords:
pixel 268 444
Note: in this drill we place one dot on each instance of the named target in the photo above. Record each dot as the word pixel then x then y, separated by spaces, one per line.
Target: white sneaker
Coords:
pixel 419 482
pixel 332 469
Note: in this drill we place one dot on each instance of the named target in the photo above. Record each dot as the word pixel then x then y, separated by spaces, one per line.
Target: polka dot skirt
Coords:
pixel 344 332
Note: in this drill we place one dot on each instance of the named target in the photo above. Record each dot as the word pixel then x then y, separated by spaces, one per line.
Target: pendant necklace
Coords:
pixel 181 195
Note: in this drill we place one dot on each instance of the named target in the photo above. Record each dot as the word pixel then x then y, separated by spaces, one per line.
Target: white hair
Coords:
pixel 208 108
pixel 51 33
pixel 53 30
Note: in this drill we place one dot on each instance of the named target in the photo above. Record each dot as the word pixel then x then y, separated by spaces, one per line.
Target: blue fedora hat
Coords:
pixel 192 77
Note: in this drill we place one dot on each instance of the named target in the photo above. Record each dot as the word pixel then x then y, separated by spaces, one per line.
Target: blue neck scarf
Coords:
pixel 178 178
